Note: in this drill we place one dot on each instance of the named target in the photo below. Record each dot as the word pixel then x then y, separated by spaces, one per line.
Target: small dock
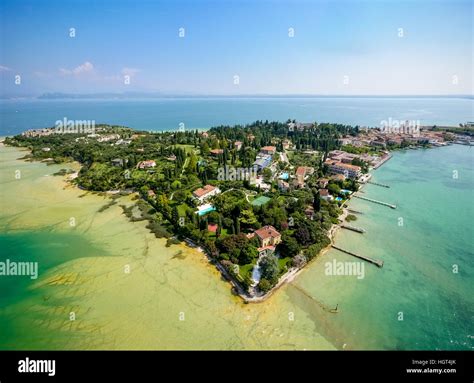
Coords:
pixel 354 211
pixel 368 259
pixel 378 184
pixel 353 228
pixel 375 201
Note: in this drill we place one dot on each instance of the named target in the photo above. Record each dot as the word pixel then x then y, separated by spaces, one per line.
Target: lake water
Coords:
pixel 423 242
pixel 202 113
pixel 171 298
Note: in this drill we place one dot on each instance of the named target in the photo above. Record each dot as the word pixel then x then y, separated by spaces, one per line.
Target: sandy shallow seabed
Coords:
pixel 138 310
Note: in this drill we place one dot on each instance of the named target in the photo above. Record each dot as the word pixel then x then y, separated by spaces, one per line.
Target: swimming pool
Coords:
pixel 205 209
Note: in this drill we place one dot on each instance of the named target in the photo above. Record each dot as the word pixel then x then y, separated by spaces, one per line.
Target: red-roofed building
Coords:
pixel 205 192
pixel 216 152
pixel 338 177
pixel 212 227
pixel 302 172
pixel 268 235
pixel 323 182
pixel 349 171
pixel 269 150
pixel 146 164
pixel 324 194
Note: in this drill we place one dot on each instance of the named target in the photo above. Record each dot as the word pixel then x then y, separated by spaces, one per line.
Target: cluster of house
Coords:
pixel 299 181
pixel 381 139
pixel 98 137
pixel 39 132
pixel 325 194
pixel 215 152
pixel 268 236
pixel 104 137
pixel 147 164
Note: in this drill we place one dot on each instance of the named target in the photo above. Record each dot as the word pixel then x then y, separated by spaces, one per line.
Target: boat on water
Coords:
pixel 464 142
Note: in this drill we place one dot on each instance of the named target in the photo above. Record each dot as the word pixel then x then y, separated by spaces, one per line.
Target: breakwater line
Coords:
pixel 378 184
pixel 376 262
pixel 353 228
pixel 378 202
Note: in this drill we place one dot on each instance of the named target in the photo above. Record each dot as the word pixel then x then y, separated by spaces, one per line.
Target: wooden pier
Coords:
pixel 378 184
pixel 375 201
pixel 354 211
pixel 353 228
pixel 368 259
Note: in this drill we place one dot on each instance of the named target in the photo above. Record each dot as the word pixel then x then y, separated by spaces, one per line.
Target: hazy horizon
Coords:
pixel 159 95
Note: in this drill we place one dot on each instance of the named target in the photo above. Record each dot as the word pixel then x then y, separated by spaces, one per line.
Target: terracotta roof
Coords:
pixel 301 171
pixel 324 192
pixel 342 165
pixel 146 164
pixel 267 232
pixel 217 151
pixel 269 148
pixel 212 227
pixel 203 191
pixel 348 166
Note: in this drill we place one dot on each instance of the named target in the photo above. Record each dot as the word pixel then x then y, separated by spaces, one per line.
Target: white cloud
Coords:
pixel 4 68
pixel 130 71
pixel 85 68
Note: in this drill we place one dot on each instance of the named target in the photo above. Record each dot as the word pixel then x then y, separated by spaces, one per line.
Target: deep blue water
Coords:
pixel 202 113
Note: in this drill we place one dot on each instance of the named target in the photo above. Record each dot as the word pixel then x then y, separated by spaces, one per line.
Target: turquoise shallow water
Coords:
pixel 46 248
pixel 417 278
pixel 49 250
pixel 203 113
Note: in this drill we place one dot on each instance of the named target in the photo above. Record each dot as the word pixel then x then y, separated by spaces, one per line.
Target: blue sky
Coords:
pixel 338 47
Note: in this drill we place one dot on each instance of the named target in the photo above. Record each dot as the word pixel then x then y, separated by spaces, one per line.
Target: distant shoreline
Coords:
pixel 151 96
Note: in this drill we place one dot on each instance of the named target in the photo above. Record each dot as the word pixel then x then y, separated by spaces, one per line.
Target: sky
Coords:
pixel 273 47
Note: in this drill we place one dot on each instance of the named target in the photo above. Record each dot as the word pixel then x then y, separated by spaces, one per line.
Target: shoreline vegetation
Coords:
pixel 260 200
